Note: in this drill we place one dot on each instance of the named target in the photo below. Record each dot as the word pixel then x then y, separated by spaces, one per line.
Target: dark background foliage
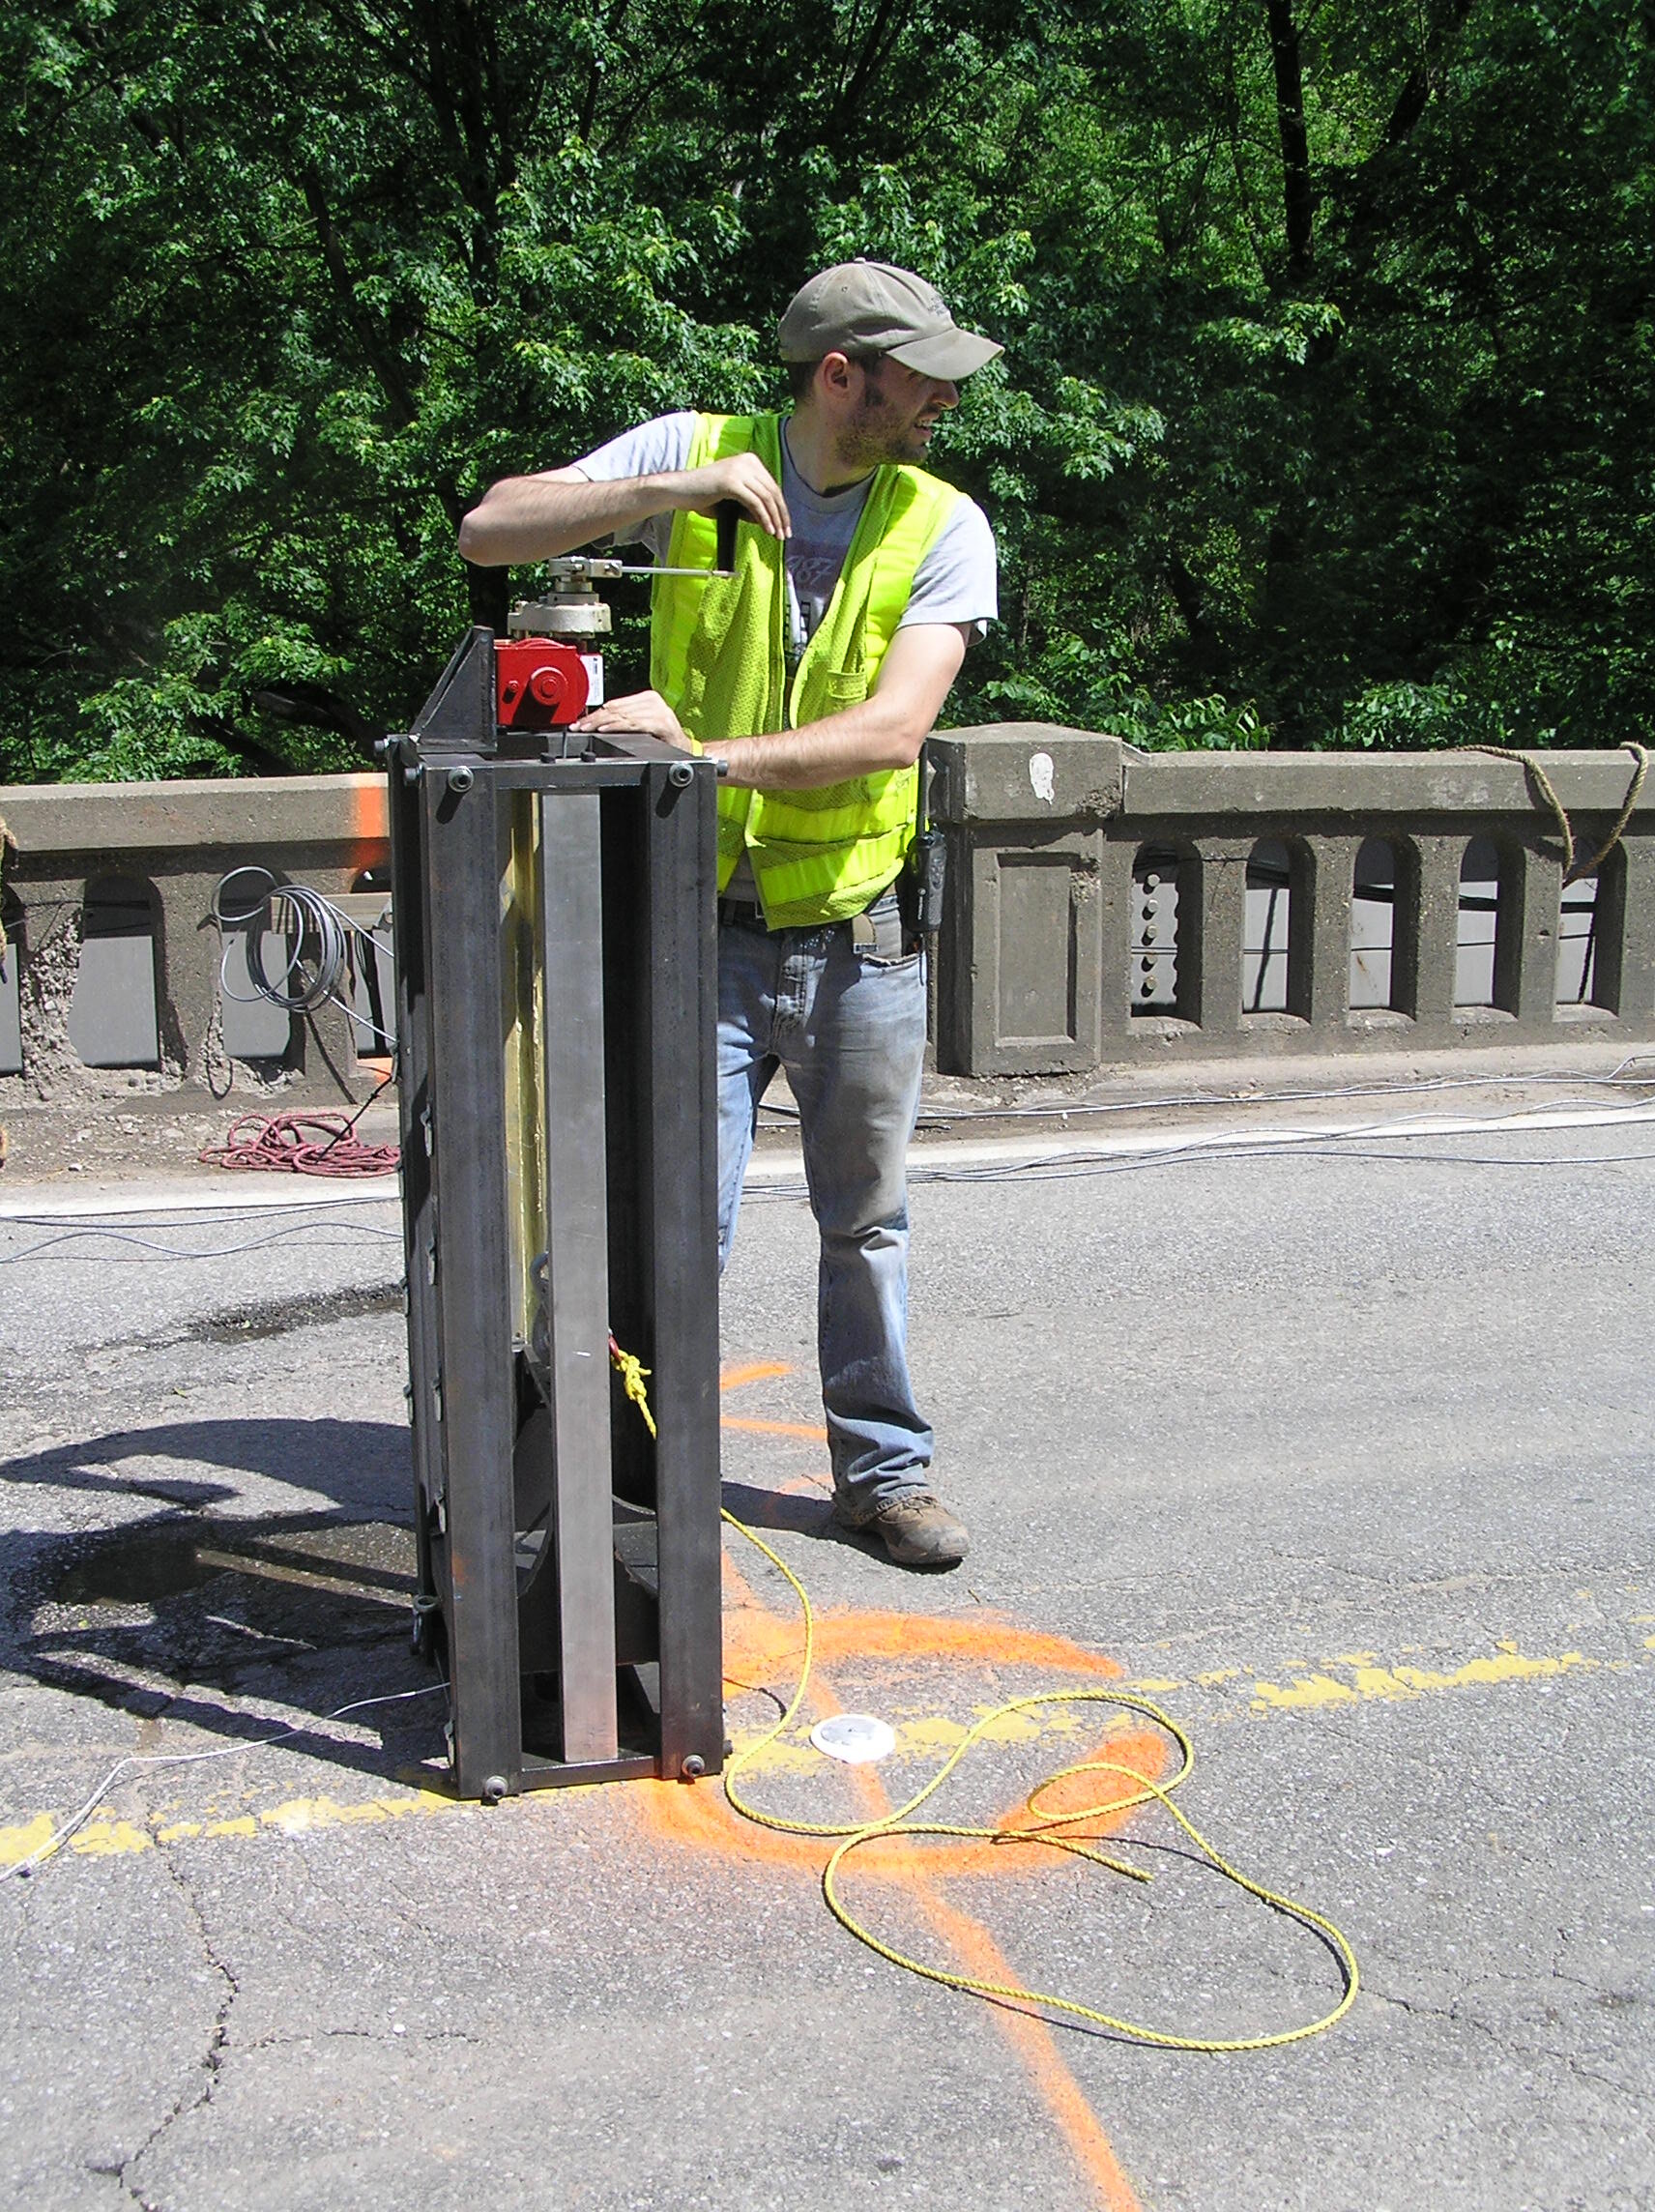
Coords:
pixel 1325 414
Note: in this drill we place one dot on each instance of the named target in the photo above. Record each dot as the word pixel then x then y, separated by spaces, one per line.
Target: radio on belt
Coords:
pixel 549 670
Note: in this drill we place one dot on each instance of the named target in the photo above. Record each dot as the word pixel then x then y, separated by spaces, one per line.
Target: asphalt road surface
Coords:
pixel 1341 1454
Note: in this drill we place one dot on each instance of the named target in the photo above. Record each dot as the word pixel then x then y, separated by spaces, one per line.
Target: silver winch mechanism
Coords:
pixel 573 612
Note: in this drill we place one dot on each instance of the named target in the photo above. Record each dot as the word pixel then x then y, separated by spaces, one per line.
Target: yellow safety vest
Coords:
pixel 717 656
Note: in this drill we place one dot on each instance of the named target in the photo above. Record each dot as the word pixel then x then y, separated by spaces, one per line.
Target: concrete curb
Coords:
pixel 780 1169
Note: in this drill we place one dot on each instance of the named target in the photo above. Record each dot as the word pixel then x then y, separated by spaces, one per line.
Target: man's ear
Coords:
pixel 834 375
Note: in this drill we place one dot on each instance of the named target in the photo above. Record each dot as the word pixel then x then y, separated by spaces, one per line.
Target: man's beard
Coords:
pixel 875 433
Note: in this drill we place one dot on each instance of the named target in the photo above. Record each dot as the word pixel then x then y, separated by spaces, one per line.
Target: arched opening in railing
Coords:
pixel 1591 927
pixel 1384 925
pixel 1477 943
pixel 1373 925
pixel 112 1011
pixel 1577 942
pixel 1265 947
pixel 256 946
pixel 1152 969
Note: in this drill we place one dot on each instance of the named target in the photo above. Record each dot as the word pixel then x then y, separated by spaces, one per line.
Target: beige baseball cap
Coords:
pixel 868 307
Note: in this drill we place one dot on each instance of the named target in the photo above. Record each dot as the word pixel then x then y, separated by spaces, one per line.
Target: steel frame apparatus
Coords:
pixel 556 969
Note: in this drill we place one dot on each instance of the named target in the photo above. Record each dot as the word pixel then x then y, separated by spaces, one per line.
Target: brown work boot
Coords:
pixel 915 1527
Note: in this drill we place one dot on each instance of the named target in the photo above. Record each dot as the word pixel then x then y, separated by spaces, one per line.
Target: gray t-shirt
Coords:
pixel 955 582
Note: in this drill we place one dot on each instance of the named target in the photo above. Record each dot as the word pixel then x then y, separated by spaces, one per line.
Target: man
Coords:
pixel 815 674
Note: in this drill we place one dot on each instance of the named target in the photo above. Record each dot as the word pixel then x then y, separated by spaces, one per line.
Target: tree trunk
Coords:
pixel 1298 200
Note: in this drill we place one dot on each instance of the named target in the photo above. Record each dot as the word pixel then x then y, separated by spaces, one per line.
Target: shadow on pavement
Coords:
pixel 184 1613
pixel 804 1513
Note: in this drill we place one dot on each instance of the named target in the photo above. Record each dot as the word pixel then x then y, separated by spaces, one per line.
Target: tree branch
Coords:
pixel 1422 81
pixel 386 367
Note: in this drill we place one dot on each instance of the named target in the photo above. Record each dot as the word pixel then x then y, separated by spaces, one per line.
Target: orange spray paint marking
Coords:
pixel 1036 2045
pixel 776 1428
pixel 755 1636
pixel 762 1371
pixel 368 803
pixel 797 1483
pixel 759 1643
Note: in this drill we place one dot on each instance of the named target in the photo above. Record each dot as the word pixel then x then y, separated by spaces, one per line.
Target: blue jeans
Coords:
pixel 848 1023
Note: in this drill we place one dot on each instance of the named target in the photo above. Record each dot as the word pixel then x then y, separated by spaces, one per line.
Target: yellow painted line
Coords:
pixel 1356 1677
pixel 1393 1684
pixel 932 1736
pixel 23 1843
pixel 108 1836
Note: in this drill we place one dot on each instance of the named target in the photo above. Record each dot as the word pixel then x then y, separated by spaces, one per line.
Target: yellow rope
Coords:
pixel 632 1373
pixel 1045 1828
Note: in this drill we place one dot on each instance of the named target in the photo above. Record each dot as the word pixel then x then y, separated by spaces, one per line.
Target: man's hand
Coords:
pixel 645 711
pixel 743 478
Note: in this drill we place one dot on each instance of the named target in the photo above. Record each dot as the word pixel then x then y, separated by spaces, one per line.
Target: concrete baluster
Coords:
pixel 1624 974
pixel 1318 930
pixel 1525 945
pixel 1115 928
pixel 1426 937
pixel 1211 933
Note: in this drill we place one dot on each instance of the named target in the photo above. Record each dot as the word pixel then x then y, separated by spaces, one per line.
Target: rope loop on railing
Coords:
pixel 1545 792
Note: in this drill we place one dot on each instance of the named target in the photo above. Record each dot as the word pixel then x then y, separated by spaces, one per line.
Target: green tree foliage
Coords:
pixel 1325 418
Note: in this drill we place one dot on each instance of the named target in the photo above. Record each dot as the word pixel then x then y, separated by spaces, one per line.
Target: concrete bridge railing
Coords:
pixel 117 962
pixel 1109 906
pixel 1106 907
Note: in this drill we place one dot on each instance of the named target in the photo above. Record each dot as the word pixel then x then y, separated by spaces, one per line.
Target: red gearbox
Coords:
pixel 539 684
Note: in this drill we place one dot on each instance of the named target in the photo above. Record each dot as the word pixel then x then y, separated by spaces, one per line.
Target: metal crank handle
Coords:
pixel 725 517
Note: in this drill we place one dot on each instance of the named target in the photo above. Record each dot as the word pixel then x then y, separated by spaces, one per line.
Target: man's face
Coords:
pixel 894 414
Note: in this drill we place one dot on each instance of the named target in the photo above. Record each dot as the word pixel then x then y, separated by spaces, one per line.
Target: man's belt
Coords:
pixel 746 914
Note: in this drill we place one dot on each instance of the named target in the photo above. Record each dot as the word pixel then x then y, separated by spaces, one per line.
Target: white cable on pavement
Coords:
pixel 98 1203
pixel 941 1160
pixel 996 1159
pixel 147 1247
pixel 55 1842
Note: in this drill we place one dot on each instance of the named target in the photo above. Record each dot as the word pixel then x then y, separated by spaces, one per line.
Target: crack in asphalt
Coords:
pixel 409 2036
pixel 211 2059
pixel 1454 2015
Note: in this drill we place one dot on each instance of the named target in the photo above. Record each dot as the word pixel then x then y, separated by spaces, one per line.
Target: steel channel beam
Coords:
pixel 577 1267
pixel 475 1394
pixel 678 1182
pixel 405 811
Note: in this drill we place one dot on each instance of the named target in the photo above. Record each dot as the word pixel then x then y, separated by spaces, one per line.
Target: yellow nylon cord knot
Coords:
pixel 632 1373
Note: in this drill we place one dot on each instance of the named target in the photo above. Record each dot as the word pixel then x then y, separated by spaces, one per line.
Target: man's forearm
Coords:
pixel 536 518
pixel 883 732
pixel 862 740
